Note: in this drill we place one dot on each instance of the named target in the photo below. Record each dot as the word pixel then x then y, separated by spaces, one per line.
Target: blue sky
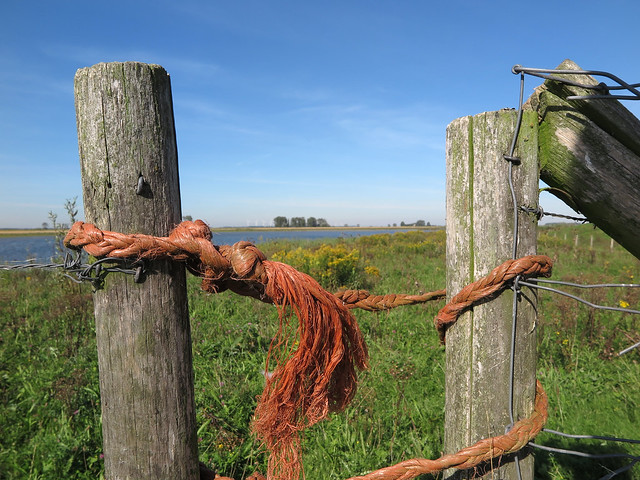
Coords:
pixel 332 109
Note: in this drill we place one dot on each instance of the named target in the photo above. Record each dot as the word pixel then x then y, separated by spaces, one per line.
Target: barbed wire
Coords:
pixel 75 269
pixel 539 212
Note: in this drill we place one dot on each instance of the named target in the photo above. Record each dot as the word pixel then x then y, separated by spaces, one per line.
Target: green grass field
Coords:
pixel 49 396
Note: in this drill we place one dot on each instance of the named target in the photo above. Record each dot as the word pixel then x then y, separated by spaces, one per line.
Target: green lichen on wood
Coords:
pixel 609 114
pixel 592 170
pixel 559 166
pixel 471 200
pixel 550 150
pixel 479 217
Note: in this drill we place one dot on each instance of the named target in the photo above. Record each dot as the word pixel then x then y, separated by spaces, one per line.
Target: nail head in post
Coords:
pixel 141 185
pixel 514 160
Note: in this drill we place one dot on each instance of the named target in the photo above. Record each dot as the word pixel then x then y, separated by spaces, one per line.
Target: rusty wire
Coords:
pixel 515 287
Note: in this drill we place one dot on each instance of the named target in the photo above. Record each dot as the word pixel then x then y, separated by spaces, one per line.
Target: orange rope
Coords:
pixel 320 376
pixel 522 432
pixel 486 449
pixel 315 379
pixel 490 286
pixel 374 303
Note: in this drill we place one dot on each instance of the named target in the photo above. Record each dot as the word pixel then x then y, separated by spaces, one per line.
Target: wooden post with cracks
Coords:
pixel 480 237
pixel 129 167
pixel 590 155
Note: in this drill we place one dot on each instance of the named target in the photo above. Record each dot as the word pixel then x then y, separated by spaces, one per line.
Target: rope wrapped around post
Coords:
pixel 490 286
pixel 522 431
pixel 486 449
pixel 317 378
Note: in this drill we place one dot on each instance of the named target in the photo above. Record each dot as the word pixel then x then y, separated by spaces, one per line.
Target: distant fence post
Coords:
pixel 479 238
pixel 126 140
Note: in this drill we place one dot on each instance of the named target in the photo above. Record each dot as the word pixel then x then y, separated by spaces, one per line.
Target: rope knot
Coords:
pixel 246 261
pixel 197 229
pixel 87 236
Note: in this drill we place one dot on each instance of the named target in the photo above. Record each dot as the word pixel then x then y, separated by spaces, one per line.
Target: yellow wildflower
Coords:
pixel 371 270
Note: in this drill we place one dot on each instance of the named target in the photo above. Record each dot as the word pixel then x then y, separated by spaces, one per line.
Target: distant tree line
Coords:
pixel 419 223
pixel 297 222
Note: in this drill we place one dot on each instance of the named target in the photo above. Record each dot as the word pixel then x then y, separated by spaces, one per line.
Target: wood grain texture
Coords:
pixel 479 237
pixel 590 155
pixel 125 129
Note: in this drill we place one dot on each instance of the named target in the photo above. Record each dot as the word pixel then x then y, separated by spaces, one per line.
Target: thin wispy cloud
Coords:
pixel 201 108
pixel 400 128
pixel 389 130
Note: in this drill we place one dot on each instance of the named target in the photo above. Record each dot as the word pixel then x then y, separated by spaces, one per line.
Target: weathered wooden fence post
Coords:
pixel 590 155
pixel 479 238
pixel 127 140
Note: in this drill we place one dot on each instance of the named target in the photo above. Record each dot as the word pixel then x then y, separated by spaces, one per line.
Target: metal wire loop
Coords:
pixel 551 74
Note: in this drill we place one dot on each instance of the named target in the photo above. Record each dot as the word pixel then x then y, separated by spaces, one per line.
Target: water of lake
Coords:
pixel 41 249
